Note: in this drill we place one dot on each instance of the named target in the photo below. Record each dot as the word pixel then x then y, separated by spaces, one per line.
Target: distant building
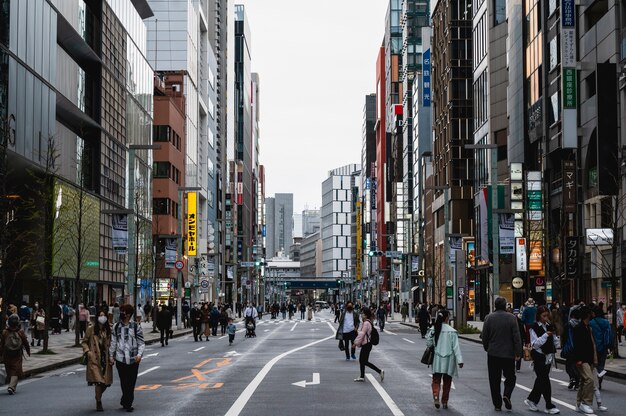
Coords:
pixel 311 222
pixel 279 223
pixel 311 255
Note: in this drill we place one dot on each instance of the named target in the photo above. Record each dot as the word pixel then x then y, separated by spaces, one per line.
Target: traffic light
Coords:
pixel 375 253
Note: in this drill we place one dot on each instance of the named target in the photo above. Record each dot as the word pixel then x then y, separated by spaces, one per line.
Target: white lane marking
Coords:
pixel 198 349
pixel 267 330
pixel 223 336
pixel 241 330
pixel 147 371
pixel 408 340
pixel 389 332
pixel 562 383
pixel 562 403
pixel 395 410
pixel 294 326
pixel 245 396
pixel 151 355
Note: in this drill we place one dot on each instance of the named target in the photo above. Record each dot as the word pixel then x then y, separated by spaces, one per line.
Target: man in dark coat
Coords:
pixel 196 321
pixel 164 323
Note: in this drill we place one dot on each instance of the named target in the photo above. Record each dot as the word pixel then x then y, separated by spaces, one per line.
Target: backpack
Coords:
pixel 374 337
pixel 13 344
pixel 568 347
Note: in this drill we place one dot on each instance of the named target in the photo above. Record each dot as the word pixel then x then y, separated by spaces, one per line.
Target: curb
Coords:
pixel 559 360
pixel 70 361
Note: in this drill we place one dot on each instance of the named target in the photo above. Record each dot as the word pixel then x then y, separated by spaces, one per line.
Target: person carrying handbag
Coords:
pixel 446 358
pixel 96 346
pixel 347 330
pixel 12 344
pixel 363 340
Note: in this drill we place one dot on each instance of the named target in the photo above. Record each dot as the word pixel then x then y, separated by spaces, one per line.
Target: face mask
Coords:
pixel 102 320
pixel 36 305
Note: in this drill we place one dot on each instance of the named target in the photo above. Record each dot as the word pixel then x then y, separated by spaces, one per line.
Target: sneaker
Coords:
pixel 359 380
pixel 11 391
pixel 444 405
pixel 382 375
pixel 553 411
pixel 347 358
pixel 436 398
pixel 571 385
pixel 531 406
pixel 602 408
pixel 583 408
pixel 353 357
pixel 507 403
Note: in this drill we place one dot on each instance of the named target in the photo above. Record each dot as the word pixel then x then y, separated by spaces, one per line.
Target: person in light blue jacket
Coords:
pixel 447 356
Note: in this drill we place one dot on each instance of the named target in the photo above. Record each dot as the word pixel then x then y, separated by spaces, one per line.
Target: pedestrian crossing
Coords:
pixel 292 321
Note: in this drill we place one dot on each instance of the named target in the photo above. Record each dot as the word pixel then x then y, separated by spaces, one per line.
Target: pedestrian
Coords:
pixel 621 311
pixel 126 351
pixel 337 312
pixel 250 315
pixel 66 316
pixel 83 319
pixel 196 321
pixel 231 329
pixel 568 338
pixel 96 344
pixel 529 316
pixel 423 318
pixel 501 339
pixel 185 311
pixel 147 311
pixel 24 313
pixel 206 319
pixel 215 320
pixel 224 320
pixel 381 315
pixel 12 344
pixel 447 356
pixel 283 311
pixel 71 312
pixel 544 343
pixel 404 311
pixel 309 313
pixel 603 341
pixel 347 330
pixel 557 319
pixel 164 324
pixel 57 318
pixel 302 311
pixel 522 334
pixel 39 326
pixel 585 358
pixel 115 313
pixel 139 314
pixel 363 340
pixel 433 314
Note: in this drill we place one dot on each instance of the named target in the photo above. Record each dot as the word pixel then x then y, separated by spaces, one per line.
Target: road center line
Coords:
pixel 198 349
pixel 147 371
pixel 294 326
pixel 245 396
pixel 408 340
pixel 395 410
pixel 562 403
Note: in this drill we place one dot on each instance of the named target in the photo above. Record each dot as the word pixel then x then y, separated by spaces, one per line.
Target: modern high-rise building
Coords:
pixel 311 256
pixel 76 102
pixel 311 221
pixel 279 223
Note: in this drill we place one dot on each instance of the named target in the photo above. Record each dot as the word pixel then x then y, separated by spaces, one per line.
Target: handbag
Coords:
pixel 341 346
pixel 428 356
pixel 528 353
pixel 40 320
pixel 84 360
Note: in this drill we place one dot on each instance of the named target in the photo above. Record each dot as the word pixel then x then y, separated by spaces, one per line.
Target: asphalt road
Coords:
pixel 255 377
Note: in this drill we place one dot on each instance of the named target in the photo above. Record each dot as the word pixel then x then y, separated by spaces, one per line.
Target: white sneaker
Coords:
pixel 583 408
pixel 602 408
pixel 553 411
pixel 531 406
pixel 359 380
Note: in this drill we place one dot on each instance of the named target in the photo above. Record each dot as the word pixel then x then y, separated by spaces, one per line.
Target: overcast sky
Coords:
pixel 316 61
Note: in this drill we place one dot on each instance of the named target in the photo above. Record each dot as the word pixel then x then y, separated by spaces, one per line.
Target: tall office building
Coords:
pixel 279 221
pixel 311 221
pixel 74 80
pixel 337 211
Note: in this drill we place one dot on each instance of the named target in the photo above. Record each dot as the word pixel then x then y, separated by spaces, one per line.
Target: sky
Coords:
pixel 316 62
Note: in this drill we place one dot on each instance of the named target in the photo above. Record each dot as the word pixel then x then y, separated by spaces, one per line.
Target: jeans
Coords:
pixel 542 383
pixel 585 391
pixel 24 326
pixel 497 367
pixel 165 333
pixel 601 361
pixel 196 331
pixel 436 385
pixel 347 337
pixel 128 379
pixel 302 315
pixel 364 357
pixel 214 328
pixel 231 338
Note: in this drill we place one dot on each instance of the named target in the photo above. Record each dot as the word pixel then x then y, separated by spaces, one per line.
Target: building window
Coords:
pixel 161 169
pixel 161 206
pixel 161 133
pixel 554 53
pixel 554 112
pixel 499 12
pixel 552 6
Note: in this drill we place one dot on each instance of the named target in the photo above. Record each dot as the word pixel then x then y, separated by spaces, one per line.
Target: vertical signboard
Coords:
pixel 569 186
pixel 192 227
pixel 520 254
pixel 535 262
pixel 359 242
pixel 571 257
pixel 426 78
pixel 170 253
pixel 120 233
pixel 569 85
pixel 507 233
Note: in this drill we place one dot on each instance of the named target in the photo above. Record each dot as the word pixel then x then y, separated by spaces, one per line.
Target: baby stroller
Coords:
pixel 250 328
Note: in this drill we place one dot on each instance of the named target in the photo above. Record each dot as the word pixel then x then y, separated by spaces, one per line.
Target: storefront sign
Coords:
pixel 536 255
pixel 569 88
pixel 569 186
pixel 192 235
pixel 507 233
pixel 170 253
pixel 520 255
pixel 426 91
pixel 120 233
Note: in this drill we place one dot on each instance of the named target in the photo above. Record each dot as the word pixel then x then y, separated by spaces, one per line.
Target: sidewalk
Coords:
pixel 614 368
pixel 66 354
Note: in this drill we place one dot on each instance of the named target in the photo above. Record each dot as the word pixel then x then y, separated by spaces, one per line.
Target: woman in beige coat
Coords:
pixel 96 347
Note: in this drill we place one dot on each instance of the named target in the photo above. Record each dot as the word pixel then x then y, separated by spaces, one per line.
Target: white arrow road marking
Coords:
pixel 408 340
pixel 154 354
pixel 294 326
pixel 198 349
pixel 304 383
pixel 395 410
pixel 222 337
pixel 231 354
pixel 147 371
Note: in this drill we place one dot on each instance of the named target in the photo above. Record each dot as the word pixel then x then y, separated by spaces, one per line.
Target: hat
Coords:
pixel 530 302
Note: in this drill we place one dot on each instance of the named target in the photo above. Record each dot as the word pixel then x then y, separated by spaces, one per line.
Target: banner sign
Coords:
pixel 120 233
pixel 192 235
pixel 507 233
pixel 170 253
pixel 520 254
pixel 536 255
pixel 426 98
pixel 568 74
pixel 569 186
pixel 571 257
pixel 359 240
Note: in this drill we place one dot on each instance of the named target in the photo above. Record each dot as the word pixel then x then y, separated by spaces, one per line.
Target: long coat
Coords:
pixel 13 364
pixel 447 351
pixel 91 346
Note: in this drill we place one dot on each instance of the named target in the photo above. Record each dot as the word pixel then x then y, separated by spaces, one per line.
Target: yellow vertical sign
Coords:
pixel 192 227
pixel 359 242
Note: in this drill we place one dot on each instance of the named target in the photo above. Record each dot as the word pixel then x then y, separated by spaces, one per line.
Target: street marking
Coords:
pixel 562 403
pixel 198 349
pixel 231 354
pixel 294 326
pixel 202 363
pixel 147 371
pixel 222 337
pixel 304 383
pixel 562 383
pixel 242 400
pixel 408 340
pixel 267 330
pixel 389 332
pixel 148 387
pixel 395 410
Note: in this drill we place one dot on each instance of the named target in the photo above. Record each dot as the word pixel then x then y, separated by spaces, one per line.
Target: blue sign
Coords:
pixel 264 231
pixel 568 13
pixel 426 78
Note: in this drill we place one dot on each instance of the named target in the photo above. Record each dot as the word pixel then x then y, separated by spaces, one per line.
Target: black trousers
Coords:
pixel 347 338
pixel 302 315
pixel 542 385
pixel 364 357
pixel 571 370
pixel 128 379
pixel 196 331
pixel 214 328
pixel 165 335
pixel 498 367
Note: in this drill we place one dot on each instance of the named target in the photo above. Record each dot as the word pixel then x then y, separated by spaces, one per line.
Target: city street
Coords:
pixel 256 377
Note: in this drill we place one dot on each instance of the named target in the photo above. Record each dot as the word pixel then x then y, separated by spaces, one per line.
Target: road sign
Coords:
pixel 204 286
pixel 393 254
pixel 247 264
pixel 179 265
pixel 449 283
